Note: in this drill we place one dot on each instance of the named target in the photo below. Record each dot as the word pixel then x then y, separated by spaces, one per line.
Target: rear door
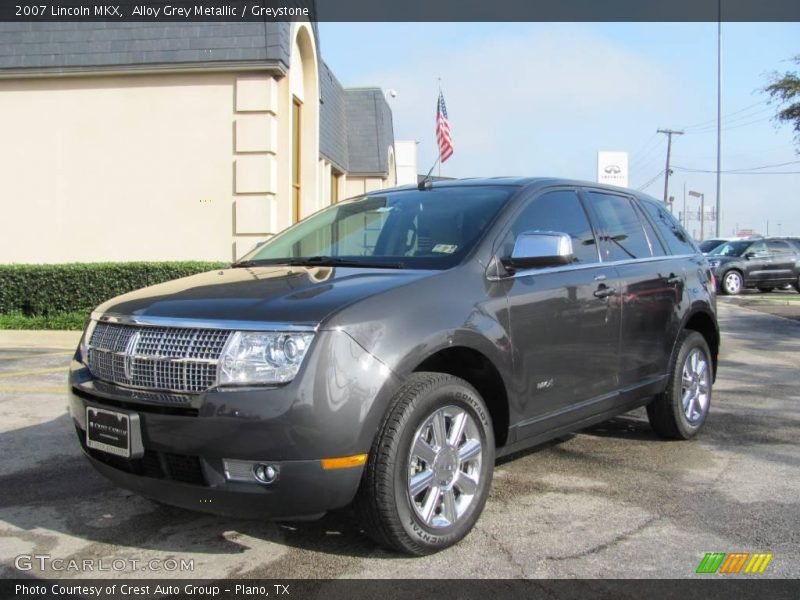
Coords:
pixel 782 261
pixel 651 285
pixel 757 264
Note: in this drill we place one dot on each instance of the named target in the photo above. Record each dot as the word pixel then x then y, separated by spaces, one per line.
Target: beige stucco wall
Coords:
pixel 161 167
pixel 191 166
pixel 357 185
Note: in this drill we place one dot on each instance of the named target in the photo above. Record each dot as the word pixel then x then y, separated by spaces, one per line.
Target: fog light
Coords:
pixel 265 473
pixel 248 471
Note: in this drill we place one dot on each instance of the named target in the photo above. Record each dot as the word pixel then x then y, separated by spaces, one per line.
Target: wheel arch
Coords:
pixel 478 370
pixel 702 320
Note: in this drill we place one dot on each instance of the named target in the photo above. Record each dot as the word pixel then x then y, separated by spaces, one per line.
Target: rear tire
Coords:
pixel 680 411
pixel 430 467
pixel 732 283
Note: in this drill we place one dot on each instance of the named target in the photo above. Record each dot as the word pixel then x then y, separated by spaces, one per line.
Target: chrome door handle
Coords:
pixel 604 292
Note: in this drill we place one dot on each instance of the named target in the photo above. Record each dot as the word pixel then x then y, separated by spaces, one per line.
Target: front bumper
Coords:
pixel 331 409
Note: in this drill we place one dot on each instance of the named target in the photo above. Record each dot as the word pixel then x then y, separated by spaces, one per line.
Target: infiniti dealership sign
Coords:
pixel 612 168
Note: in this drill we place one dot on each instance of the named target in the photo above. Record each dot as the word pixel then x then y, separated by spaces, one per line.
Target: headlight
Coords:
pixel 252 358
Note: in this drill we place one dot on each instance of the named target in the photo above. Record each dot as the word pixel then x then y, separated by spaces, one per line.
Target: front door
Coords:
pixel 564 321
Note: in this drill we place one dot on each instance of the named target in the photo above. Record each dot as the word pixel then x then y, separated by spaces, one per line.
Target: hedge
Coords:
pixel 75 321
pixel 42 290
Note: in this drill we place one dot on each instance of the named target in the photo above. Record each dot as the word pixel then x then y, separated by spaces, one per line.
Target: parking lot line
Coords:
pixel 33 372
pixel 34 355
pixel 31 390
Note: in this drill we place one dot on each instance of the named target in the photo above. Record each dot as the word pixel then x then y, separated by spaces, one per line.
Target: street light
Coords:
pixel 702 209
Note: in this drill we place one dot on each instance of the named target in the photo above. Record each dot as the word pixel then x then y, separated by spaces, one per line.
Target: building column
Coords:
pixel 255 171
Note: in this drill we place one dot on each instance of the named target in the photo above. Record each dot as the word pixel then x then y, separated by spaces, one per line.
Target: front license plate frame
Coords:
pixel 113 432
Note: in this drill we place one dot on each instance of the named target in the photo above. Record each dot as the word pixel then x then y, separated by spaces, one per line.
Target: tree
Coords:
pixel 784 89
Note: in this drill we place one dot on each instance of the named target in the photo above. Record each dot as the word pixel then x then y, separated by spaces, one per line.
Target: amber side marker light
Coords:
pixel 344 462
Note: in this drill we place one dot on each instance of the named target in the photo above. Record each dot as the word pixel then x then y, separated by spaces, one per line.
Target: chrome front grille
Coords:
pixel 159 358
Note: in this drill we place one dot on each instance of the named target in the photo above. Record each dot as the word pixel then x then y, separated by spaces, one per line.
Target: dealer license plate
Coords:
pixel 108 431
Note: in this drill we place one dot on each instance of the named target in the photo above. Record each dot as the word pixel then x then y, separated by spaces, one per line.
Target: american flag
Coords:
pixel 443 130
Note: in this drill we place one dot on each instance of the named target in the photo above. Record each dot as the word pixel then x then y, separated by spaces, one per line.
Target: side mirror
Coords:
pixel 749 255
pixel 539 249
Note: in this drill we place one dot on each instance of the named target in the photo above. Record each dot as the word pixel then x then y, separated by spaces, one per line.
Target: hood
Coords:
pixel 281 294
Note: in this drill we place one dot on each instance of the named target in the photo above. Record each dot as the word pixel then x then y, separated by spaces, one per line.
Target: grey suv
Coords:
pixel 761 263
pixel 386 350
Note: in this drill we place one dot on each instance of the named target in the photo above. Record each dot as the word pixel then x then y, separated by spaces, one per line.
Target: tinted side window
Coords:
pixel 674 235
pixel 622 231
pixel 560 211
pixel 757 249
pixel 778 247
pixel 655 244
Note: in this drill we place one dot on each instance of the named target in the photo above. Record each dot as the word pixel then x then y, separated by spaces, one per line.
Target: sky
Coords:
pixel 543 98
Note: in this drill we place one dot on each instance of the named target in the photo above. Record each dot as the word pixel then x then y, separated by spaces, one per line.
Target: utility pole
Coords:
pixel 669 133
pixel 702 215
pixel 685 218
pixel 719 114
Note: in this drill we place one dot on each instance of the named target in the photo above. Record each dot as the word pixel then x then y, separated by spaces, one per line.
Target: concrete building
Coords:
pixel 170 141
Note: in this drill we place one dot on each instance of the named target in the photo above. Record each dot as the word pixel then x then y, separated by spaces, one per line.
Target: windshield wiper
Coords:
pixel 334 261
pixel 321 261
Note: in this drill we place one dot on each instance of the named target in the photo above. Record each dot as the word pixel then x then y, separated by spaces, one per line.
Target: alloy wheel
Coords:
pixel 733 282
pixel 444 474
pixel 695 386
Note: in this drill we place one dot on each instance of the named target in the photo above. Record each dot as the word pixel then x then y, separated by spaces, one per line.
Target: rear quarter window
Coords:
pixel 675 236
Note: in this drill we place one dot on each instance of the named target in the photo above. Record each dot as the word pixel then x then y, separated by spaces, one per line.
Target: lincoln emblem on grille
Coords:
pixel 130 352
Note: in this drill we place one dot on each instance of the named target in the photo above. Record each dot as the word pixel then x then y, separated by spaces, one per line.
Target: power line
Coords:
pixel 791 162
pixel 714 120
pixel 731 121
pixel 734 126
pixel 685 170
pixel 651 181
pixel 646 157
pixel 742 169
pixel 650 139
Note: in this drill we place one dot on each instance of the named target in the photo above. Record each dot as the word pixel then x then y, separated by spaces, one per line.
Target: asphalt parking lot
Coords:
pixel 613 501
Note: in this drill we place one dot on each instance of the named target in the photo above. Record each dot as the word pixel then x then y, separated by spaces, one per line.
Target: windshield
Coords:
pixel 731 249
pixel 431 229
pixel 709 245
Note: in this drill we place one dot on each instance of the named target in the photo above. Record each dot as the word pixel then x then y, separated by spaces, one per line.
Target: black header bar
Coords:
pixel 699 588
pixel 401 10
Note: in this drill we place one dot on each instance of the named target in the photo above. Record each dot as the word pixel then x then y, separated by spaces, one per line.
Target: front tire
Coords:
pixel 680 411
pixel 430 467
pixel 732 283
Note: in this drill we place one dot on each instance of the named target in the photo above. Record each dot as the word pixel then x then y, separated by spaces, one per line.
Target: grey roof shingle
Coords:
pixel 88 46
pixel 369 131
pixel 332 119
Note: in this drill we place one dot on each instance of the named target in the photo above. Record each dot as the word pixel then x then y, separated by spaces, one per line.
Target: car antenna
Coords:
pixel 427 181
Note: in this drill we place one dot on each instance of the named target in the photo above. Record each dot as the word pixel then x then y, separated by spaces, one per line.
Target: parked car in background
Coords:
pixel 764 264
pixel 387 349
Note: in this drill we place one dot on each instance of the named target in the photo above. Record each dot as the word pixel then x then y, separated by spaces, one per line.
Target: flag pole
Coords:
pixel 439 162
